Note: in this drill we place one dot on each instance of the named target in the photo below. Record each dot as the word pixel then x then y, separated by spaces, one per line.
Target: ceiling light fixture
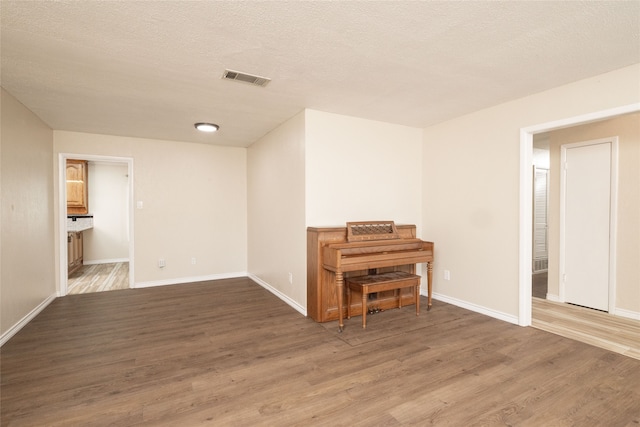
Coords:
pixel 206 127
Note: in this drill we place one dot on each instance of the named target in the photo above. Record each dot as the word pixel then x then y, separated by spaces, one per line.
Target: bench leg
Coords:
pixel 417 290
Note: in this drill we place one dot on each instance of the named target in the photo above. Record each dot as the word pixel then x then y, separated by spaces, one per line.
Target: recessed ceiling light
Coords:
pixel 206 127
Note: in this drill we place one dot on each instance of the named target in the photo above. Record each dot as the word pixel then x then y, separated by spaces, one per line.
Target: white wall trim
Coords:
pixel 553 297
pixel 105 261
pixel 526 225
pixel 476 308
pixel 26 319
pixel 181 280
pixel 620 312
pixel 253 277
pixel 626 313
pixel 279 294
pixel 526 160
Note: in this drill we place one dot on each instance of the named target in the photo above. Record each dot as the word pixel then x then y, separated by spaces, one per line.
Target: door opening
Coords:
pixel 540 232
pixel 526 203
pixel 112 184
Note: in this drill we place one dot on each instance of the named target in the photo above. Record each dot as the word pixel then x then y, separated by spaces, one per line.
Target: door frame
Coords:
pixel 613 215
pixel 62 212
pixel 526 202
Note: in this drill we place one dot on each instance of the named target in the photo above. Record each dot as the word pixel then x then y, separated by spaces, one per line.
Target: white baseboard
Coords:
pixel 256 279
pixel 626 313
pixel 33 313
pixel 104 261
pixel 477 308
pixel 620 312
pixel 553 297
pixel 26 319
pixel 180 280
pixel 279 294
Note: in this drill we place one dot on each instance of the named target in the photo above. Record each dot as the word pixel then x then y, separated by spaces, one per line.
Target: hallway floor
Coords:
pixel 614 333
pixel 99 278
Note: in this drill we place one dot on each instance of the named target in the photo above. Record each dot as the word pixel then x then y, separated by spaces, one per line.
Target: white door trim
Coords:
pixel 62 212
pixel 613 210
pixel 526 204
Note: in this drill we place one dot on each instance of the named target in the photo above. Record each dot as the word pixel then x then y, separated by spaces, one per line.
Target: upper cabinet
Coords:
pixel 77 192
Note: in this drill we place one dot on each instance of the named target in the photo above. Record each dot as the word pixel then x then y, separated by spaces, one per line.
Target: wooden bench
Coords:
pixel 394 280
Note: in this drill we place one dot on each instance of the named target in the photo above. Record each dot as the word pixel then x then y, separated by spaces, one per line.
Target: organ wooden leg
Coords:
pixel 365 296
pixel 429 283
pixel 339 286
pixel 417 292
pixel 348 302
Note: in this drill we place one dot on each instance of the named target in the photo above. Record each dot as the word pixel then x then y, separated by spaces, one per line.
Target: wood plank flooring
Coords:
pixel 229 353
pixel 99 278
pixel 613 333
pixel 539 285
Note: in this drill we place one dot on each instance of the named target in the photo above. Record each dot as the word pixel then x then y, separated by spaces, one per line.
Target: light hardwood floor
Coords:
pixel 99 278
pixel 593 327
pixel 229 353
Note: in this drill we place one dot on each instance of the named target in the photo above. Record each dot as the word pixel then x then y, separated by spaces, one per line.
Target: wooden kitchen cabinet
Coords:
pixel 77 187
pixel 74 251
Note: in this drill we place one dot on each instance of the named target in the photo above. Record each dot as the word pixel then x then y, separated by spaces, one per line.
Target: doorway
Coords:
pixel 526 202
pixel 108 244
pixel 553 314
pixel 540 232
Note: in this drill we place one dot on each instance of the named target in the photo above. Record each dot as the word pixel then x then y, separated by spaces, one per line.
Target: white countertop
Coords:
pixel 81 223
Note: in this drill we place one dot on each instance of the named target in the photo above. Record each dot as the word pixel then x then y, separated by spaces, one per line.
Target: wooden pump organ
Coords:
pixel 376 259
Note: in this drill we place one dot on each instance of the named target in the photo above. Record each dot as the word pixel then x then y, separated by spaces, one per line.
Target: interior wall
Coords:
pixel 193 200
pixel 360 170
pixel 276 206
pixel 27 242
pixel 627 129
pixel 471 187
pixel 108 190
pixel 541 158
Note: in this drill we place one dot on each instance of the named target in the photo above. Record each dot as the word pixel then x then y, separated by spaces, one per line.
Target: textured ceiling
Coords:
pixel 153 68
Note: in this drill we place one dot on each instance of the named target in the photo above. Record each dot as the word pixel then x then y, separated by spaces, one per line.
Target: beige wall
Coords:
pixel 322 169
pixel 362 170
pixel 108 240
pixel 471 187
pixel 627 129
pixel 27 244
pixel 276 229
pixel 359 170
pixel 194 204
pixel 458 181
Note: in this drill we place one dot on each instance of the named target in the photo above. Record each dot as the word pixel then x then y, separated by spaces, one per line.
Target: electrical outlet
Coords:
pixel 291 278
pixel 193 261
pixel 161 263
pixel 447 275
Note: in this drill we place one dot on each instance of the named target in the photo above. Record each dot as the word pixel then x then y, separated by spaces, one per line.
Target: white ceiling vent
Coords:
pixel 246 78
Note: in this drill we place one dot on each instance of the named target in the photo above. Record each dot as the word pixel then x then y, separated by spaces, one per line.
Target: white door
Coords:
pixel 586 225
